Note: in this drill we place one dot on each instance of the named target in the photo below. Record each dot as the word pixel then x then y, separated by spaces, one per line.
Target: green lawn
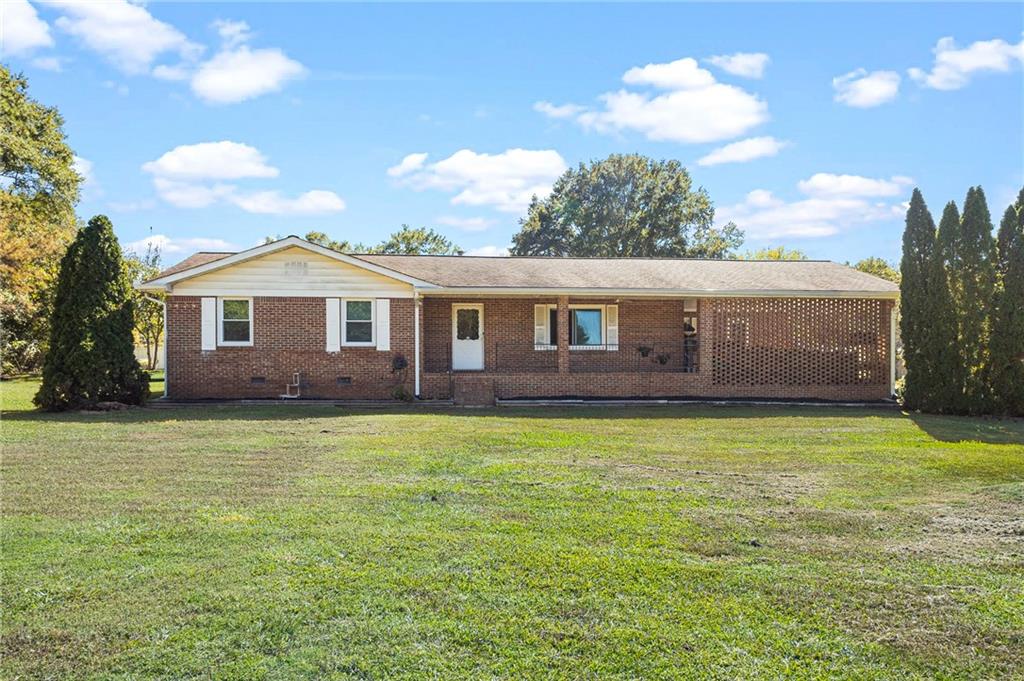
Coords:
pixel 290 542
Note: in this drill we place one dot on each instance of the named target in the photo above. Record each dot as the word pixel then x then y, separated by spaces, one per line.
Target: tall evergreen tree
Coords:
pixel 948 254
pixel 1006 348
pixel 91 356
pixel 927 325
pixel 970 260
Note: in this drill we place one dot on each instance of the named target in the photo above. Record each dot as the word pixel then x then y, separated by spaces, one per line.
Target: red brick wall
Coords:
pixel 289 335
pixel 834 349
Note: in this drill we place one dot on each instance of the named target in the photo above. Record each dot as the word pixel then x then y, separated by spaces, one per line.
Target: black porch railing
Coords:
pixel 680 354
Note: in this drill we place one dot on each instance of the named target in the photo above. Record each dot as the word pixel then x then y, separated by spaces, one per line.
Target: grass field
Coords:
pixel 289 542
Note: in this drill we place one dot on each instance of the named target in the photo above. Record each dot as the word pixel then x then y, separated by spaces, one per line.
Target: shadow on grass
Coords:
pixel 971 428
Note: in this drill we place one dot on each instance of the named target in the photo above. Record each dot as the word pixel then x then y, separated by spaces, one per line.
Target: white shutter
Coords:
pixel 383 323
pixel 540 325
pixel 208 326
pixel 611 313
pixel 333 318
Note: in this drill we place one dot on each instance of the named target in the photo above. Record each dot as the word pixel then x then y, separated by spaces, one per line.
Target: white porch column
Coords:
pixel 416 304
pixel 892 349
pixel 164 349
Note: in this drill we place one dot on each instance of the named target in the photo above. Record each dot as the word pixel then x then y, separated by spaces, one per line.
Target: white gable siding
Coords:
pixel 293 272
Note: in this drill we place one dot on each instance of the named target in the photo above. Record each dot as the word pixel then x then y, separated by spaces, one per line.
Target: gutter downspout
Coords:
pixel 416 340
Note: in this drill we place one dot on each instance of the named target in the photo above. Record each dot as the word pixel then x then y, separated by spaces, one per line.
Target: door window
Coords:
pixel 467 324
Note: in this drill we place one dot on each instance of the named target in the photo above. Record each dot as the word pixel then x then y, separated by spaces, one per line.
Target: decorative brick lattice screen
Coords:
pixel 798 341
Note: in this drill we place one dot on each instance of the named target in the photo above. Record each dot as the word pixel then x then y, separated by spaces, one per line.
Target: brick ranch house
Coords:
pixel 242 325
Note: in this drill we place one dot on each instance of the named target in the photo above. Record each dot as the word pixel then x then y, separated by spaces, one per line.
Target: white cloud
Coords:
pixel 695 109
pixel 954 66
pixel 232 33
pixel 312 202
pixel 132 39
pixel 23 30
pixel 187 177
pixel 864 90
pixel 126 34
pixel 744 150
pixel 47 63
pixel 408 164
pixel 176 73
pixel 488 251
pixel 834 203
pixel 90 185
pixel 235 75
pixel 745 64
pixel 169 246
pixel 703 115
pixel 681 74
pixel 558 111
pixel 465 224
pixel 191 194
pixel 504 181
pixel 222 160
pixel 831 185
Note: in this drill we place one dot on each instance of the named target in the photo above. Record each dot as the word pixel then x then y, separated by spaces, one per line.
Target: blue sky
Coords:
pixel 210 126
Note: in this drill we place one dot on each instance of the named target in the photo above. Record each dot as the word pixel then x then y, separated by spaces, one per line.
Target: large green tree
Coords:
pixel 880 267
pixel 406 241
pixel 37 219
pixel 1006 360
pixel 777 253
pixel 927 325
pixel 969 254
pixel 418 241
pixel 625 205
pixel 92 350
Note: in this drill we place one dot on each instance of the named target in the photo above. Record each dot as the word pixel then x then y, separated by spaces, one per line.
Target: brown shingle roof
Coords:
pixel 634 273
pixel 638 274
pixel 194 260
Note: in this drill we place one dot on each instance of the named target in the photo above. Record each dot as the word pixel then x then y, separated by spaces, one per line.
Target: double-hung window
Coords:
pixel 357 322
pixel 586 327
pixel 234 321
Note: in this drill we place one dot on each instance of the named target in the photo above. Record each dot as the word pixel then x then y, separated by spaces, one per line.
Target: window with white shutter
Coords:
pixel 208 324
pixel 545 327
pixel 333 321
pixel 383 324
pixel 611 327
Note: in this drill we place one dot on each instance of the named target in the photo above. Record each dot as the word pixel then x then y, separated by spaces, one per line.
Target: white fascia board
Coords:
pixel 163 283
pixel 228 292
pixel 654 293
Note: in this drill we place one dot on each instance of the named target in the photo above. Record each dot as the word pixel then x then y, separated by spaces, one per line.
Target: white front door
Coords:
pixel 467 337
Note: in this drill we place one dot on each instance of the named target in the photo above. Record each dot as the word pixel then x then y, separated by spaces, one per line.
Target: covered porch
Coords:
pixel 476 349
